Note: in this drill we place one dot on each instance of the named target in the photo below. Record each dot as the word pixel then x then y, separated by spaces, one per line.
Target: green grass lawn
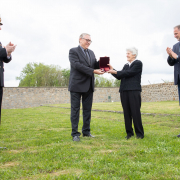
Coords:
pixel 39 145
pixel 164 107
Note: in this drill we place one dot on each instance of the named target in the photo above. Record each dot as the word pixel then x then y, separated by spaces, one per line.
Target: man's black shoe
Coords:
pixel 128 136
pixel 76 138
pixel 178 135
pixel 89 135
pixel 139 137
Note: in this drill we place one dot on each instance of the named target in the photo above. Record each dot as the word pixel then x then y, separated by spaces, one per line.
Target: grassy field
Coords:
pixel 39 145
pixel 164 107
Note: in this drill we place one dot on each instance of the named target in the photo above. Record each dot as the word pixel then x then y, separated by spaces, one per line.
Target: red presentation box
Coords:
pixel 103 63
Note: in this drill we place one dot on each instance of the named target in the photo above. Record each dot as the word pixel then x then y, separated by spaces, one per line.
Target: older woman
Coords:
pixel 130 92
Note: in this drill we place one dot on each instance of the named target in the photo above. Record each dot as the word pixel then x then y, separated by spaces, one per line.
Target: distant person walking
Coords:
pixel 130 92
pixel 5 56
pixel 174 59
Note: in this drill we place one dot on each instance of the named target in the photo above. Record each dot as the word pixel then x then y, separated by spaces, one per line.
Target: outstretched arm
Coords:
pixel 136 68
pixel 74 60
pixel 113 72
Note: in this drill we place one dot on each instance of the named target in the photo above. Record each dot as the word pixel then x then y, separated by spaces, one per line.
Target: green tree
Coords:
pixel 27 75
pixel 117 83
pixel 38 75
pixel 104 82
pixel 66 75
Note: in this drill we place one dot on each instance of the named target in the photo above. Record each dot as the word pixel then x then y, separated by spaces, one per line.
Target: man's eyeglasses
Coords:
pixel 89 41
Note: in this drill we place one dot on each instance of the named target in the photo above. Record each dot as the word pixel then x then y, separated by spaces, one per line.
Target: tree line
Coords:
pixel 41 75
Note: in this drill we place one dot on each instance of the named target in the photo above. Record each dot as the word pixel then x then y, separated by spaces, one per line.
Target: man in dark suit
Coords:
pixel 174 59
pixel 5 56
pixel 81 84
pixel 130 92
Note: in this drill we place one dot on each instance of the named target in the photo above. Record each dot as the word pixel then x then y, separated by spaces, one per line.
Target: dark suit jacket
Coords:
pixel 3 58
pixel 130 77
pixel 175 62
pixel 81 73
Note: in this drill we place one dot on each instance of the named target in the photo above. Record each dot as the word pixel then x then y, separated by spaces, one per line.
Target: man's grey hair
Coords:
pixel 133 50
pixel 83 34
pixel 178 26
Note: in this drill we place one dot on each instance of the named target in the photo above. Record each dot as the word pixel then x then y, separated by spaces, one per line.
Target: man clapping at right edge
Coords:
pixel 174 59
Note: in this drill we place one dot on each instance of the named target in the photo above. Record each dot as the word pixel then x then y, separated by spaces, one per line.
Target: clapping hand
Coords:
pixel 171 53
pixel 10 48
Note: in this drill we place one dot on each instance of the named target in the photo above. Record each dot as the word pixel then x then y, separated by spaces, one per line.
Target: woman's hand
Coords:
pixel 111 68
pixel 112 71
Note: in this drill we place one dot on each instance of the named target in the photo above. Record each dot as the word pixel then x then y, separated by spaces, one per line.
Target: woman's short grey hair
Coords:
pixel 133 50
pixel 83 34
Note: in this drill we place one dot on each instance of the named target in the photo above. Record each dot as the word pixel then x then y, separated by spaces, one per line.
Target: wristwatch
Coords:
pixel 177 57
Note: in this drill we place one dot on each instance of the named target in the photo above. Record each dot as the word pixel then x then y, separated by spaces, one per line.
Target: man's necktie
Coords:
pixel 87 57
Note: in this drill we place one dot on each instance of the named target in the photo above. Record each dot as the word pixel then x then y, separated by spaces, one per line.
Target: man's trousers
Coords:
pixel 87 99
pixel 179 89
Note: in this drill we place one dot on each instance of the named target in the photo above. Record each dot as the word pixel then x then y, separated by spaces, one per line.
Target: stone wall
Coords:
pixel 160 92
pixel 31 97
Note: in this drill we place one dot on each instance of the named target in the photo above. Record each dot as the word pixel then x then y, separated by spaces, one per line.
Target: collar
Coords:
pixel 131 62
pixel 82 48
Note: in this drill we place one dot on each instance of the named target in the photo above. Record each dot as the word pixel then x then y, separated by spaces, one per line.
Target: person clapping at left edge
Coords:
pixel 130 92
pixel 5 56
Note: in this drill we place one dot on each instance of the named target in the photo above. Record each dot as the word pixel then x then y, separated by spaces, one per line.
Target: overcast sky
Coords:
pixel 45 30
